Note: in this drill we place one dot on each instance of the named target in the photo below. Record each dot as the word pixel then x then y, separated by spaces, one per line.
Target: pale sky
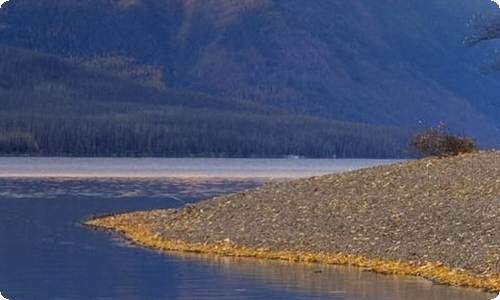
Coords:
pixel 3 1
pixel 497 2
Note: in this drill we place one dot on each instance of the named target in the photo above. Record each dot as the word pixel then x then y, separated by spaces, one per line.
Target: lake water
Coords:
pixel 46 254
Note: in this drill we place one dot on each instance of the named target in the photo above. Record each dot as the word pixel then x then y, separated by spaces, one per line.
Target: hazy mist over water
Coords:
pixel 178 167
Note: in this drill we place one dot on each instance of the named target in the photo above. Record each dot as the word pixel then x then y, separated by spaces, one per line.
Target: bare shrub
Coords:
pixel 439 142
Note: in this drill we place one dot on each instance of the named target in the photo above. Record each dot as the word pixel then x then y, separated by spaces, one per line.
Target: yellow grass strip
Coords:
pixel 139 233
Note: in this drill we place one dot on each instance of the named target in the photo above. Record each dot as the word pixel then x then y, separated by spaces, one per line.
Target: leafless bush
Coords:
pixel 439 142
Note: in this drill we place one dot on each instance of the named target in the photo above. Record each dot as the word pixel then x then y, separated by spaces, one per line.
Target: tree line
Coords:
pixel 52 107
pixel 178 134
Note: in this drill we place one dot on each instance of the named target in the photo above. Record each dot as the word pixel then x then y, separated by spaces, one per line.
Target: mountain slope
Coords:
pixel 50 106
pixel 388 62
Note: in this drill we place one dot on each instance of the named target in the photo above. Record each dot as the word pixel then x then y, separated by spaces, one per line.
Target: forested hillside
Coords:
pixel 51 106
pixel 383 64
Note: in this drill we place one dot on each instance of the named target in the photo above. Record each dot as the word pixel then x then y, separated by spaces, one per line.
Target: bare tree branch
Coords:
pixel 483 28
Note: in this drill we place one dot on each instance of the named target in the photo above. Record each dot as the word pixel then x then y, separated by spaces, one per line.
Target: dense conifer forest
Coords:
pixel 54 107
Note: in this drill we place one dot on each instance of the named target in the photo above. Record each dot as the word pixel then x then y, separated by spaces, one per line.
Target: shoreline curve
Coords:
pixel 437 273
pixel 435 218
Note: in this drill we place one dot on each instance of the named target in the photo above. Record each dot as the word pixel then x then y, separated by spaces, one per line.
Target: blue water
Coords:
pixel 46 254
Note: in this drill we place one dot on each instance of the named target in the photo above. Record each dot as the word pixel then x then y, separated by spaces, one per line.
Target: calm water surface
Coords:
pixel 177 167
pixel 45 254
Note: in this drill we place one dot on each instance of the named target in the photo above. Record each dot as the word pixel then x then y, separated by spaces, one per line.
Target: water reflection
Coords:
pixel 331 282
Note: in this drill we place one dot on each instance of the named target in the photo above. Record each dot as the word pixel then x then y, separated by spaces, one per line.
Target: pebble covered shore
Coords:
pixel 438 218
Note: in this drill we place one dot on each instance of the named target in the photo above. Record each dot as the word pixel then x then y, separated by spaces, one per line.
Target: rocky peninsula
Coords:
pixel 438 218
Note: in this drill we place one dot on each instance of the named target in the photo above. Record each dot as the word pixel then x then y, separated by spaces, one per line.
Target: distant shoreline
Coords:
pixel 434 218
